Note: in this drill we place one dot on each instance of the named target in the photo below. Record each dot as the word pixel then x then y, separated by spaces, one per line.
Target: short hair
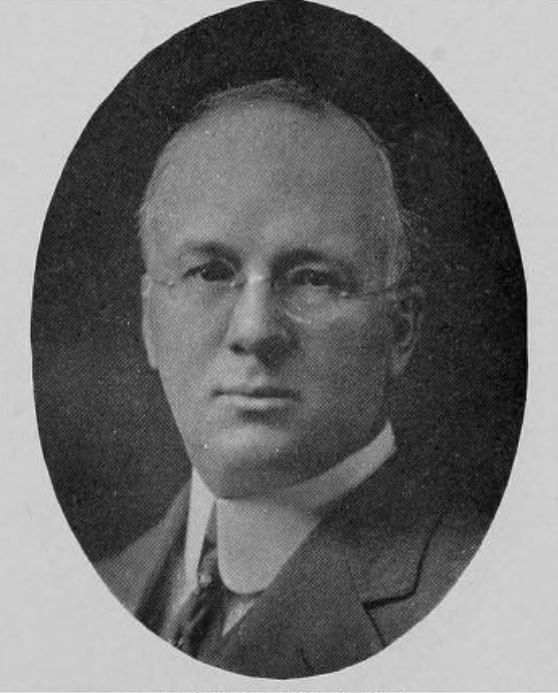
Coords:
pixel 399 258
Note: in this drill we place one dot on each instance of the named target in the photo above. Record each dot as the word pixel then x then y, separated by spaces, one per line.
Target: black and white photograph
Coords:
pixel 278 360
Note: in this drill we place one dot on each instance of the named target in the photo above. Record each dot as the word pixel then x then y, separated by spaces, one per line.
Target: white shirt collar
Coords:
pixel 257 535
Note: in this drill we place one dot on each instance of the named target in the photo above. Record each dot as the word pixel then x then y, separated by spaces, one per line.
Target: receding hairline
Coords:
pixel 290 94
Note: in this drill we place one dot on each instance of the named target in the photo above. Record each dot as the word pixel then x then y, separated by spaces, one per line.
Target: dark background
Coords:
pixel 111 446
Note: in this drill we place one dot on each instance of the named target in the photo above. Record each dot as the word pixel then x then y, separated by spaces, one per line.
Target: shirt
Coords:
pixel 257 535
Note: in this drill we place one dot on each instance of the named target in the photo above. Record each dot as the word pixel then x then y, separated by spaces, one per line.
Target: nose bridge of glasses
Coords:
pixel 256 279
pixel 277 302
pixel 270 306
pixel 255 306
pixel 256 322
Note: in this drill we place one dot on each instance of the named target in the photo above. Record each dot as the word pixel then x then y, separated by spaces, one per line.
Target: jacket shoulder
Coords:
pixel 451 546
pixel 129 573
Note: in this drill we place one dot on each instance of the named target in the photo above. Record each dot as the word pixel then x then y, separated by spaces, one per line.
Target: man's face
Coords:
pixel 269 196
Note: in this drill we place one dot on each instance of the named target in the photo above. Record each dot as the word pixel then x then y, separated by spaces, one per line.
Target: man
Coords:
pixel 279 306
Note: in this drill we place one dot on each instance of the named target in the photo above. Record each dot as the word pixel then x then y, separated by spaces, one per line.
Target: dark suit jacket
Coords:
pixel 375 566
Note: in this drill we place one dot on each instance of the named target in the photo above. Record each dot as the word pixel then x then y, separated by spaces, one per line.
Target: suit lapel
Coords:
pixel 308 620
pixel 392 518
pixel 132 574
pixel 315 616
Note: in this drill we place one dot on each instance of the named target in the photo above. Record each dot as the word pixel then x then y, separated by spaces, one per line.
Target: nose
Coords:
pixel 256 326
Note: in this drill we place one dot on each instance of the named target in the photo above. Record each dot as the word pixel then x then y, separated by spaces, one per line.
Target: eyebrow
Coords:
pixel 284 258
pixel 206 248
pixel 300 255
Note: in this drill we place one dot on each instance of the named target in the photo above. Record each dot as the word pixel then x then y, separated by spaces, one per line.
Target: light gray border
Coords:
pixel 60 629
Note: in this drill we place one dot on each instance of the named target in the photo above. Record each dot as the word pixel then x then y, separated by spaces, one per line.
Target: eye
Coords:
pixel 318 278
pixel 212 271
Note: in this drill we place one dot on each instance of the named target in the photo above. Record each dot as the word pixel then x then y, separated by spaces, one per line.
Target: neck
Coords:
pixel 256 535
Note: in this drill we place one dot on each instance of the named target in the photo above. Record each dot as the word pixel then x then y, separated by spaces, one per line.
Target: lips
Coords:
pixel 258 392
pixel 262 398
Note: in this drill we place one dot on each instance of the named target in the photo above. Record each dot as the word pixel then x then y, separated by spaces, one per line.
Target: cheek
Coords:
pixel 350 359
pixel 184 347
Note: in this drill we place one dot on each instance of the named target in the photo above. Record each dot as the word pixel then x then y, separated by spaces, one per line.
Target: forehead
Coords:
pixel 269 168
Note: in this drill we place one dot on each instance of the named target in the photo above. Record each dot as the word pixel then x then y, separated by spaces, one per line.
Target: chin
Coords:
pixel 248 462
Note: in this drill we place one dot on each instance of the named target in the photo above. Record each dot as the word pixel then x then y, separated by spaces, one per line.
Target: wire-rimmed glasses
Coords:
pixel 304 293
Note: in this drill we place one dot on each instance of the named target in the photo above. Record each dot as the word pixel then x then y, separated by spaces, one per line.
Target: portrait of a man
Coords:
pixel 281 299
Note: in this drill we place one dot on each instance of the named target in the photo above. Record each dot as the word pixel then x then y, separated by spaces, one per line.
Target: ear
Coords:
pixel 147 320
pixel 407 318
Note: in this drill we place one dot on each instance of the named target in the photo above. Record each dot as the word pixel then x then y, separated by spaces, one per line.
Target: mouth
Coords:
pixel 257 398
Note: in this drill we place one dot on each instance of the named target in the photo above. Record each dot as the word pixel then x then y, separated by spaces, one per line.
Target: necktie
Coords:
pixel 205 602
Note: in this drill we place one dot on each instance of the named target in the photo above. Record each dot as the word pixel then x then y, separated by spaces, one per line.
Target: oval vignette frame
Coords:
pixel 102 415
